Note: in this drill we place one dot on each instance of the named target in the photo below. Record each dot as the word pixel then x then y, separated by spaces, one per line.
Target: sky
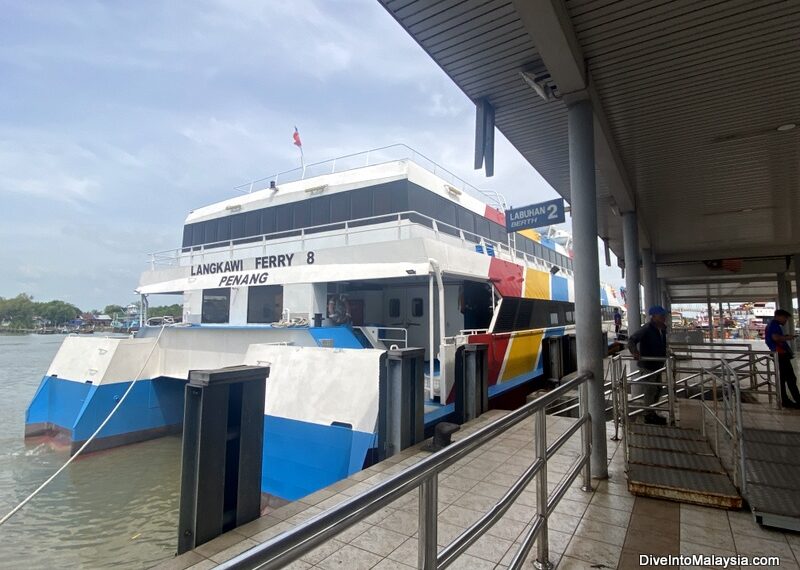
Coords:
pixel 118 118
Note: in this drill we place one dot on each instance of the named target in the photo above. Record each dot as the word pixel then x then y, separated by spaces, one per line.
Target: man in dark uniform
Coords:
pixel 778 343
pixel 651 341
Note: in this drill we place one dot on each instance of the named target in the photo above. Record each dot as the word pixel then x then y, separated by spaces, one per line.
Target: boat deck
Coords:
pixel 605 528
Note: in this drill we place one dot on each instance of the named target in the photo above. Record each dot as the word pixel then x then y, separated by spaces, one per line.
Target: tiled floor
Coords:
pixel 604 528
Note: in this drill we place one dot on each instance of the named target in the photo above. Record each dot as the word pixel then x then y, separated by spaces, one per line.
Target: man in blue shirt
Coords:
pixel 778 343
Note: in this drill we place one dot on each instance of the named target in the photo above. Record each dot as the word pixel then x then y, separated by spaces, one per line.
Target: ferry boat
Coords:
pixel 316 273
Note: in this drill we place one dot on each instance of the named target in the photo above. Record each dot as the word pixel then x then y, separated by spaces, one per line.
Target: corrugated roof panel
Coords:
pixel 692 91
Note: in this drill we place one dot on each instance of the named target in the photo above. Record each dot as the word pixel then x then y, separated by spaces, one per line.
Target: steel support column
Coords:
pixel 785 298
pixel 797 281
pixel 588 322
pixel 633 302
pixel 721 322
pixel 649 278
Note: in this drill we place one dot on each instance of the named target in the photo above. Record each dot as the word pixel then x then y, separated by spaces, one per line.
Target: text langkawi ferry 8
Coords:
pixel 315 274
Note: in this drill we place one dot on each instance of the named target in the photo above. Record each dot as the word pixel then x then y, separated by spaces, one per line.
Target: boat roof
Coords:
pixel 352 172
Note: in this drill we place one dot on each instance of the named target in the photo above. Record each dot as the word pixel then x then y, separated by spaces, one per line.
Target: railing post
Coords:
pixel 586 436
pixel 670 389
pixel 777 367
pixel 428 506
pixel 703 402
pixel 542 543
pixel 616 363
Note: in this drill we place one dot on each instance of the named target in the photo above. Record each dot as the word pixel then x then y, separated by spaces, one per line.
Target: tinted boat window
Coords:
pixel 321 211
pixel 252 223
pixel 382 201
pixel 197 233
pixel 216 306
pixel 482 226
pixel 400 197
pixel 416 307
pixel 268 220
pixel 264 304
pixel 446 212
pixel 223 229
pixel 466 221
pixel 302 214
pixel 187 235
pixel 283 218
pixel 237 226
pixel 340 207
pixel 361 203
pixel 210 231
pixel 498 233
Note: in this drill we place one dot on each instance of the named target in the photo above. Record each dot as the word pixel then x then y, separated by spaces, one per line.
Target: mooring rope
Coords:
pixel 27 499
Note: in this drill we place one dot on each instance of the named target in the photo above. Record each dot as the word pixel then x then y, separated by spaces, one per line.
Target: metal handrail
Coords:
pixel 367 158
pixel 172 257
pixel 294 543
pixel 388 340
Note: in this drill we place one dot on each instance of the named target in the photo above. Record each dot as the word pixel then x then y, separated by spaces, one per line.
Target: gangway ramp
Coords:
pixel 772 464
pixel 677 464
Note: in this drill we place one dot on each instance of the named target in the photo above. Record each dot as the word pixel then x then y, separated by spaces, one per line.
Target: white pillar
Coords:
pixel 651 297
pixel 630 235
pixel 785 298
pixel 796 285
pixel 588 321
pixel 710 318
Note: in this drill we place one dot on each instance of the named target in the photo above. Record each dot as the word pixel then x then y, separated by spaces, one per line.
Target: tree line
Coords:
pixel 22 311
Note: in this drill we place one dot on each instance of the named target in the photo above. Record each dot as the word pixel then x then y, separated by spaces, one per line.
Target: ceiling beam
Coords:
pixel 698 269
pixel 550 27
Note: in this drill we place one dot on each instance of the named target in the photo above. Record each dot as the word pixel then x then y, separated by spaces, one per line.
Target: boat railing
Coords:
pixel 393 335
pixel 372 157
pixel 423 476
pixel 348 229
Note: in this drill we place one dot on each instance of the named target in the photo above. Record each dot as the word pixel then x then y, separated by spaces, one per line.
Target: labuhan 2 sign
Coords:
pixel 535 215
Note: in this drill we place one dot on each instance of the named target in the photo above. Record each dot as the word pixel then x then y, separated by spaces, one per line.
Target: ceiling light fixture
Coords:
pixel 539 84
pixel 786 127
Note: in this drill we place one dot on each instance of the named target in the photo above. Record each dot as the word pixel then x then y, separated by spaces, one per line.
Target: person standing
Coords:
pixel 617 321
pixel 650 341
pixel 778 343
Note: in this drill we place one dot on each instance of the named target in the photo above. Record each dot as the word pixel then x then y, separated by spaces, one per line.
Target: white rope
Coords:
pixel 27 499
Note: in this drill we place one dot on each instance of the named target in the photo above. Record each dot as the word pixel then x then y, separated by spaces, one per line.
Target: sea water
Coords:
pixel 116 508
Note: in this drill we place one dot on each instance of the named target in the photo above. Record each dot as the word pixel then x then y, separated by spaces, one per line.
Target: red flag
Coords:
pixel 296 137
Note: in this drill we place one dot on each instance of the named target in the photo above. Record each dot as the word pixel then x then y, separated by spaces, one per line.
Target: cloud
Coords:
pixel 125 116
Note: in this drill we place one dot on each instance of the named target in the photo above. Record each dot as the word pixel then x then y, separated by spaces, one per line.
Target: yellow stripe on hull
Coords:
pixel 537 284
pixel 522 354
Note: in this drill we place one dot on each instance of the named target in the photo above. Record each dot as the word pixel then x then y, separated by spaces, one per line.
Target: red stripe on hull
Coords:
pixel 497 352
pixel 495 215
pixel 507 277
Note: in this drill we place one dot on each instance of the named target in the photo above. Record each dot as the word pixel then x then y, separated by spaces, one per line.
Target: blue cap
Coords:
pixel 657 310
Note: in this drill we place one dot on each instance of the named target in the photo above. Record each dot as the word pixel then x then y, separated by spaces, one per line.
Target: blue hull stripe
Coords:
pixel 303 457
pixel 299 457
pixel 342 337
pixel 79 408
